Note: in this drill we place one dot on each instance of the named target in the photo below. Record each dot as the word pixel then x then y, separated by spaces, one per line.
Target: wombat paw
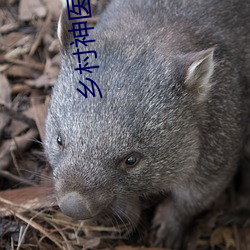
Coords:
pixel 167 238
pixel 170 231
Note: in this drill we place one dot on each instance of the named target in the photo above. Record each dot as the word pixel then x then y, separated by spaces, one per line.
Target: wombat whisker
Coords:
pixel 37 141
pixel 52 200
pixel 122 214
pixel 42 176
pixel 115 222
pixel 135 218
pixel 122 217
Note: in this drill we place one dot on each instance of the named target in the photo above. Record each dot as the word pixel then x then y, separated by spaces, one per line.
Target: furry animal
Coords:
pixel 173 76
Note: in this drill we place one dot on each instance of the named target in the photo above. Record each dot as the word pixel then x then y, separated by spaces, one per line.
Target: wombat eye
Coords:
pixel 132 160
pixel 59 140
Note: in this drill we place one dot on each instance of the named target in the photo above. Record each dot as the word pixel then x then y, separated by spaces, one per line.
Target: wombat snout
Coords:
pixel 75 205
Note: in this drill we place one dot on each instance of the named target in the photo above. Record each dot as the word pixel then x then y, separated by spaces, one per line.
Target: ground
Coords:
pixel 29 217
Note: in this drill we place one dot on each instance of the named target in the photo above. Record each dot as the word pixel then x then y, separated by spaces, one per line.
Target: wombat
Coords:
pixel 173 76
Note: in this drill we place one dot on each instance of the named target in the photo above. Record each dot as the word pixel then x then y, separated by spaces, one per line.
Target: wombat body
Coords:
pixel 174 77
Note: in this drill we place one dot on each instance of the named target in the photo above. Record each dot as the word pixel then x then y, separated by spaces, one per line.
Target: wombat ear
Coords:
pixel 64 25
pixel 199 72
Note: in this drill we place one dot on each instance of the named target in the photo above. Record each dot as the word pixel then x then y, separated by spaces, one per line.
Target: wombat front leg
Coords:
pixel 171 225
pixel 174 215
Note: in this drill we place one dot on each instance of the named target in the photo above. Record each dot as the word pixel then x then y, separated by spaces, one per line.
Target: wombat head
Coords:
pixel 140 138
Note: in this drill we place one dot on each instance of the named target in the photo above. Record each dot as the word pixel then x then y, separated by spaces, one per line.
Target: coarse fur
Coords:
pixel 174 76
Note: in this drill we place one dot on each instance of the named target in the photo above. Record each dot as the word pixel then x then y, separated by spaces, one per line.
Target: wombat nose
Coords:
pixel 74 205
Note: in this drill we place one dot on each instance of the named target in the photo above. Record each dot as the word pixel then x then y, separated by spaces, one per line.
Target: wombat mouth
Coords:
pixel 120 214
